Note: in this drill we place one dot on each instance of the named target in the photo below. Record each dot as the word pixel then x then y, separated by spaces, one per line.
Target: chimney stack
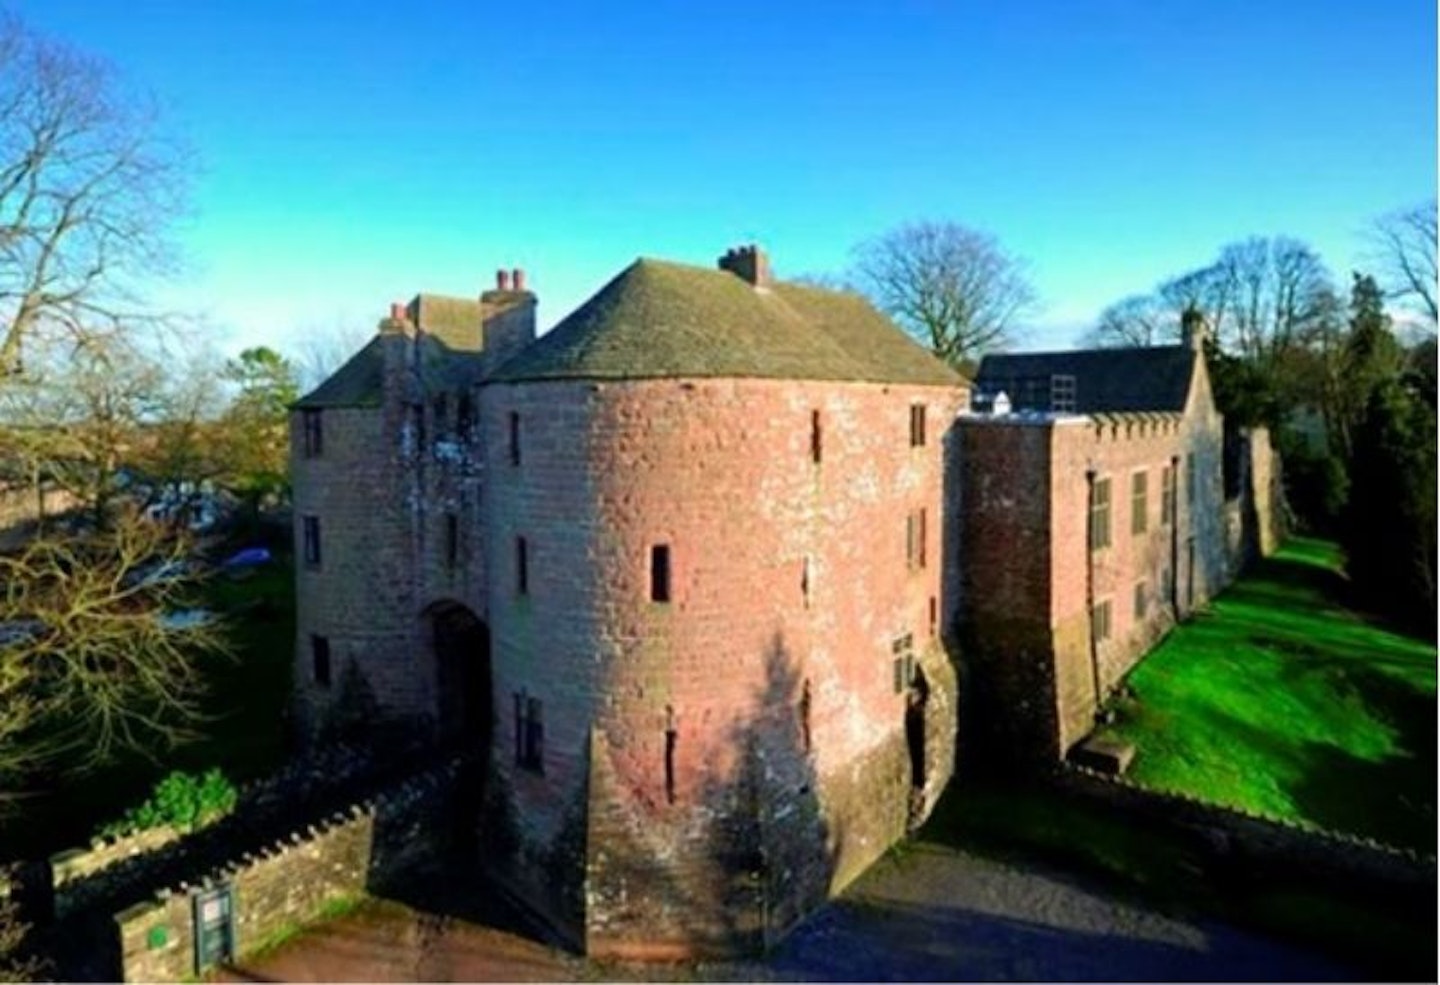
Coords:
pixel 749 263
pixel 518 277
pixel 397 311
pixel 1192 329
pixel 502 280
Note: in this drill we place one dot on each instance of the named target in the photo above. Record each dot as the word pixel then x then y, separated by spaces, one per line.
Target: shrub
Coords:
pixel 183 801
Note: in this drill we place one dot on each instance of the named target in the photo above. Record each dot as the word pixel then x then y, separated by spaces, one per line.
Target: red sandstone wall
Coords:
pixel 720 470
pixel 382 495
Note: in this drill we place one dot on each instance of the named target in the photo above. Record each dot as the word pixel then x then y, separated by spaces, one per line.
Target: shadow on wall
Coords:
pixel 724 868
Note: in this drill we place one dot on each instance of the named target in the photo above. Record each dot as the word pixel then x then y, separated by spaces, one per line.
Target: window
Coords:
pixel 915 540
pixel 311 537
pixel 902 649
pixel 1167 496
pixel 671 735
pixel 522 567
pixel 441 409
pixel 320 660
pixel 1099 514
pixel 805 715
pixel 529 733
pixel 805 579
pixel 1142 600
pixel 917 425
pixel 313 431
pixel 1100 621
pixel 660 573
pixel 1062 394
pixel 1139 502
pixel 417 416
pixel 934 617
pixel 1190 479
pixel 464 415
pixel 815 437
pixel 452 540
pixel 514 438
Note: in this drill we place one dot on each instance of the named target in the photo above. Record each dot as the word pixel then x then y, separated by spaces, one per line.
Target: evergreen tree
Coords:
pixel 1389 530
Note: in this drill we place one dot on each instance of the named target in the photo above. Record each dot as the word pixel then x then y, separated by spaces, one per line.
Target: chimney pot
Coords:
pixel 518 276
pixel 397 311
pixel 502 280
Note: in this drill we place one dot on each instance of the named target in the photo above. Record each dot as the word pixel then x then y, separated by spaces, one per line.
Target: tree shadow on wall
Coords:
pixel 763 852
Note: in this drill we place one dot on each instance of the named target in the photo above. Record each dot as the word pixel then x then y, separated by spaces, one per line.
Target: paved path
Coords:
pixel 934 914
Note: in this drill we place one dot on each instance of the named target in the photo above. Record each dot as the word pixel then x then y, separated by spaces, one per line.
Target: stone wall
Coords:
pixel 1030 580
pixel 789 588
pixel 392 838
pixel 1252 839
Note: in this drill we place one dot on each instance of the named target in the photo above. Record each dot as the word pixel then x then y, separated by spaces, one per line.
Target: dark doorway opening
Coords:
pixel 465 705
pixel 916 699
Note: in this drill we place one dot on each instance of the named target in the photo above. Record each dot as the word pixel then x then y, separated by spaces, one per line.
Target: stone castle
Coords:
pixel 692 574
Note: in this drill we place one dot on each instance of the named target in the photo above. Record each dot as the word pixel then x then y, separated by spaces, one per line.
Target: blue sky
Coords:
pixel 357 152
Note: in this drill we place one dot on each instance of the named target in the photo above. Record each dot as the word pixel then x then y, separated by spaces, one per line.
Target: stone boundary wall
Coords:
pixel 78 878
pixel 1234 833
pixel 386 838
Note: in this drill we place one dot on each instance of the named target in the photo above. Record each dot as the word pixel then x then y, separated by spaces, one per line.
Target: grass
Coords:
pixel 242 732
pixel 331 909
pixel 1281 701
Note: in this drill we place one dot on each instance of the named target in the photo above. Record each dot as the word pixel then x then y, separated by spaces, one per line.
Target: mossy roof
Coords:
pixel 357 383
pixel 658 319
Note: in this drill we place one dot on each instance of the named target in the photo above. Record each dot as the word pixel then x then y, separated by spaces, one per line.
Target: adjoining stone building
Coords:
pixel 676 568
pixel 1091 516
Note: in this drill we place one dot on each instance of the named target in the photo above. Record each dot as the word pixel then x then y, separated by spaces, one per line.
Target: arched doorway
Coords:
pixel 460 643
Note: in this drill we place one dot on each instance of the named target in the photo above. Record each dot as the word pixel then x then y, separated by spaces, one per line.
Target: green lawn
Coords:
pixel 1282 701
pixel 242 732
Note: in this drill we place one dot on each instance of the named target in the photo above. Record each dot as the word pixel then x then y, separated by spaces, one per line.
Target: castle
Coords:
pixel 693 572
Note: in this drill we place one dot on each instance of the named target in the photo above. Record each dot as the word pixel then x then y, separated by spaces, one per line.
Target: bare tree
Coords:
pixel 1139 320
pixel 325 348
pixel 1403 246
pixel 1277 290
pixel 88 186
pixel 954 289
pixel 97 654
pixel 79 415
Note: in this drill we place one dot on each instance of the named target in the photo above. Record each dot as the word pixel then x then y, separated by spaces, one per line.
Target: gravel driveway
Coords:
pixel 932 914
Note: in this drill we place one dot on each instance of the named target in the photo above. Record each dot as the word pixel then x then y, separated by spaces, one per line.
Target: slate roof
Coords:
pixel 1156 378
pixel 658 319
pixel 358 382
pixel 448 354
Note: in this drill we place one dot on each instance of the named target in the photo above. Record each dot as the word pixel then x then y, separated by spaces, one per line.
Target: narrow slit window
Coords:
pixel 805 715
pixel 514 438
pixel 464 415
pixel 311 532
pixel 934 617
pixel 522 566
pixel 917 425
pixel 816 438
pixel 417 416
pixel 922 535
pixel 660 573
pixel 529 733
pixel 452 540
pixel 671 736
pixel 1142 600
pixel 441 410
pixel 314 432
pixel 320 660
